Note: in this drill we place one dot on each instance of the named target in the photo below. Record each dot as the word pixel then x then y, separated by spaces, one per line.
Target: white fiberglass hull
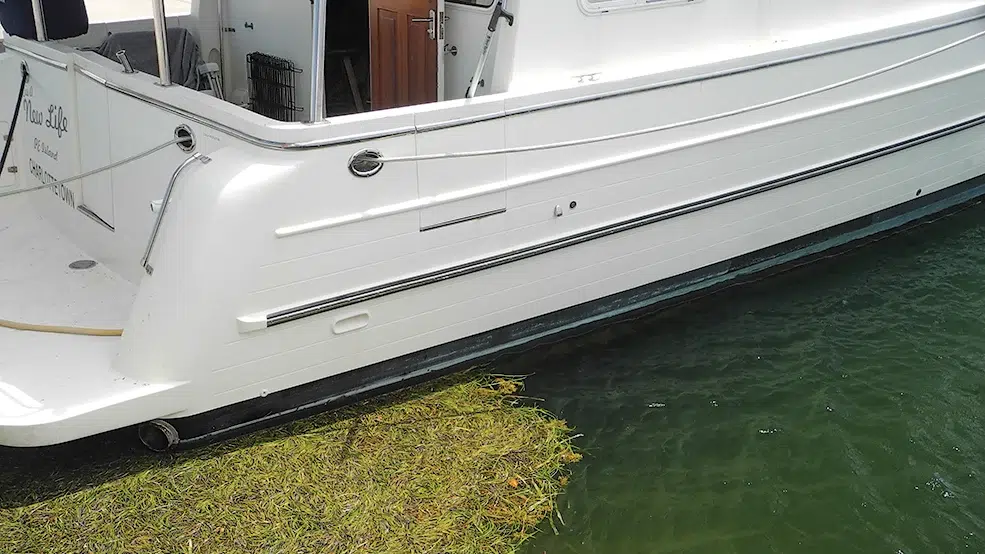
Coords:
pixel 282 280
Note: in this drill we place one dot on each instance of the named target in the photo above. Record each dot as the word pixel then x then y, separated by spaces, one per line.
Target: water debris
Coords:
pixel 454 466
pixel 656 405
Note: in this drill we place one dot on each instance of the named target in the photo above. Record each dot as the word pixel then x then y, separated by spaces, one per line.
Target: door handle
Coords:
pixel 430 21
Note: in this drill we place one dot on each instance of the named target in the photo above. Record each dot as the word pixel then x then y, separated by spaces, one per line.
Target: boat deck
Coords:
pixel 49 377
pixel 38 286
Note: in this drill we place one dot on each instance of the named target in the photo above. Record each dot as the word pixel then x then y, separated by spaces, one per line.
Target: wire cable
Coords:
pixel 113 165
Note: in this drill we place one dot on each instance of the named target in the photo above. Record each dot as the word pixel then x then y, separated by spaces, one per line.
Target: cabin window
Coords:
pixel 594 7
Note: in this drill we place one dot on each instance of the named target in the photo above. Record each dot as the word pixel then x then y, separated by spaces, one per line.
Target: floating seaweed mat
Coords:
pixel 455 466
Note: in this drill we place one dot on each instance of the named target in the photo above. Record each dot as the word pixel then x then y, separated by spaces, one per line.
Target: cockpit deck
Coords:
pixel 43 288
pixel 46 377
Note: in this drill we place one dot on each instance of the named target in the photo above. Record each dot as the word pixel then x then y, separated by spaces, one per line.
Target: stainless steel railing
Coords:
pixel 161 37
pixel 39 20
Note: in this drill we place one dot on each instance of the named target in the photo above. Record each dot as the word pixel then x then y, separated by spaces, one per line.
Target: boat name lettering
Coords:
pixel 56 118
pixel 40 146
pixel 32 115
pixel 61 191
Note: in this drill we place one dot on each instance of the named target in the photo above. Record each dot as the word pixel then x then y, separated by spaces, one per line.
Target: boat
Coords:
pixel 249 212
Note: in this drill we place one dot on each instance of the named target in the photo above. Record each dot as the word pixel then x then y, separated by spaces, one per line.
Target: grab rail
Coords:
pixel 145 260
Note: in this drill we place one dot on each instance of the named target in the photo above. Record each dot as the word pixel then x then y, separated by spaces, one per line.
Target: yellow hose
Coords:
pixel 60 329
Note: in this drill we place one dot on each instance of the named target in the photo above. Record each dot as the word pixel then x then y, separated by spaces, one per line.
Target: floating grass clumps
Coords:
pixel 454 466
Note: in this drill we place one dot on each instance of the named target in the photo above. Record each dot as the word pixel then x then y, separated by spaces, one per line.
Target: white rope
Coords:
pixel 97 170
pixel 705 119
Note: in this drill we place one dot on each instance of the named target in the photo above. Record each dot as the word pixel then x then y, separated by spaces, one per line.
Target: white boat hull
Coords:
pixel 282 281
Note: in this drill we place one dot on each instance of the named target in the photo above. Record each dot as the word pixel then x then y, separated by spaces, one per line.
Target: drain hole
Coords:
pixel 82 264
pixel 919 191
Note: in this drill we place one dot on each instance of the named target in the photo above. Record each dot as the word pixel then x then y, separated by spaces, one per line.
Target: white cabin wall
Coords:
pixel 280 29
pixel 466 30
pixel 205 21
pixel 556 41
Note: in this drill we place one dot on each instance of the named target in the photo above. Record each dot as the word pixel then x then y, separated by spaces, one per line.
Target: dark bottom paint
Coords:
pixel 332 392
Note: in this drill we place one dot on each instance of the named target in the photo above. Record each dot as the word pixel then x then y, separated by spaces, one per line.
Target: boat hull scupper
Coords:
pixel 284 283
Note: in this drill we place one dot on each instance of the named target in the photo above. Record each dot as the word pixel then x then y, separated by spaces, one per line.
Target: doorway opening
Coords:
pixel 383 54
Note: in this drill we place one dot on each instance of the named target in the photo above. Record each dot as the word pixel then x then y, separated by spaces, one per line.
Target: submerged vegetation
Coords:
pixel 455 466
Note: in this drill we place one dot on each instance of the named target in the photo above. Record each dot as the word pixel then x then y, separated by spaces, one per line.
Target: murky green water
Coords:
pixel 835 409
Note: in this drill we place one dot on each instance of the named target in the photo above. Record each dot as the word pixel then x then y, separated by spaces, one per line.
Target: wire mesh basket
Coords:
pixel 273 86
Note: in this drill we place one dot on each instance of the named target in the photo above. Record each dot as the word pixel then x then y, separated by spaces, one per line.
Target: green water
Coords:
pixel 834 409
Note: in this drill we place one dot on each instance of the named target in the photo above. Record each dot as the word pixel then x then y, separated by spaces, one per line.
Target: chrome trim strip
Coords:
pixel 99 80
pixel 38 57
pixel 346 139
pixel 423 279
pixel 473 217
pixel 92 215
pixel 462 121
pixel 351 139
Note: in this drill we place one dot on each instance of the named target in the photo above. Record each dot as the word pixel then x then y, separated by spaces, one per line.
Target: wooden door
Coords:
pixel 403 37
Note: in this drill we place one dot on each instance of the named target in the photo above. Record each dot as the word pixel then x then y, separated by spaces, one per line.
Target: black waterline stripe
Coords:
pixel 386 289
